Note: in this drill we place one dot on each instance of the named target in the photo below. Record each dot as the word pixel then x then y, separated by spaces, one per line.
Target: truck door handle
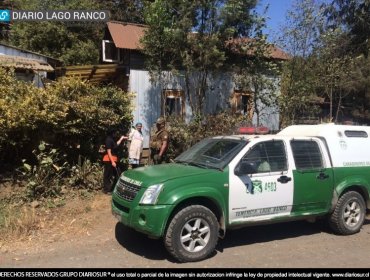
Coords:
pixel 322 176
pixel 284 179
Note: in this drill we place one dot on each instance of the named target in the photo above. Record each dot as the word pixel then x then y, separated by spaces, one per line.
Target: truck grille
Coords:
pixel 126 190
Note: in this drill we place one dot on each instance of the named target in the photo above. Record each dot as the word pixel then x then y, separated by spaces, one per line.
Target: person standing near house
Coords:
pixel 159 142
pixel 136 146
pixel 110 160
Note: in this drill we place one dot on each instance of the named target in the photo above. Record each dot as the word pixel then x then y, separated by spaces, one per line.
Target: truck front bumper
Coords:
pixel 148 219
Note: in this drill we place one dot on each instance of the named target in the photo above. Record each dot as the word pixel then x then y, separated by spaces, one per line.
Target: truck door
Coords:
pixel 261 184
pixel 313 177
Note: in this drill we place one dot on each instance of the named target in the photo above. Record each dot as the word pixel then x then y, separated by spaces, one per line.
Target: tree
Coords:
pixel 73 43
pixel 69 113
pixel 326 66
pixel 5 26
pixel 300 36
pixel 333 71
pixel 257 73
pixel 190 36
pixel 361 86
pixel 354 16
pixel 125 10
pixel 352 48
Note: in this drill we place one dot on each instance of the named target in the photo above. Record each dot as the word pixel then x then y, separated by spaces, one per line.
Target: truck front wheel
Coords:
pixel 192 234
pixel 349 214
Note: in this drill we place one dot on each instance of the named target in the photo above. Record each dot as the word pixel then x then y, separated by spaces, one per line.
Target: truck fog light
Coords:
pixel 142 219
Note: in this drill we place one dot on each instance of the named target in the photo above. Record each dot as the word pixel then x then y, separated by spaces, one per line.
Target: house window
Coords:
pixel 242 102
pixel 245 103
pixel 174 102
pixel 110 52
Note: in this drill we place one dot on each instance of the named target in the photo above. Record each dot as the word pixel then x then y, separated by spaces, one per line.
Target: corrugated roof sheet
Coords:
pixel 26 51
pixel 237 46
pixel 19 62
pixel 126 35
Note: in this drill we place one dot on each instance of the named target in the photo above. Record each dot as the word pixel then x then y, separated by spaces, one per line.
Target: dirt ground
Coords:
pixel 88 236
pixel 76 219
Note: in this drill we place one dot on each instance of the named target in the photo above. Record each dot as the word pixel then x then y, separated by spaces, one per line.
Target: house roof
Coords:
pixel 236 46
pixel 35 53
pixel 126 35
pixel 19 62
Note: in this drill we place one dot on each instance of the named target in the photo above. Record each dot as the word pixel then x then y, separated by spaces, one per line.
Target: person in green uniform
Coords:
pixel 159 142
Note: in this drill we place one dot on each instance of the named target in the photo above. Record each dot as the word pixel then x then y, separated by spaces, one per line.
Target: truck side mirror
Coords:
pixel 244 168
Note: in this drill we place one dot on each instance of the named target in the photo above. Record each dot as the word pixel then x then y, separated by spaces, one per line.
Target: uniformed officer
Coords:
pixel 159 142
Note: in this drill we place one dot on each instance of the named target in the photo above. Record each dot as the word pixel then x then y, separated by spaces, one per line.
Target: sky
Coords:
pixel 276 13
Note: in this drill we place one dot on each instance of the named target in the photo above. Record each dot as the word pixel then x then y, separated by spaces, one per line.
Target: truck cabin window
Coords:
pixel 268 156
pixel 212 153
pixel 307 154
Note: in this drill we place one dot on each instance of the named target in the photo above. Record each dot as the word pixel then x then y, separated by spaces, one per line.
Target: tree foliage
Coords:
pixel 73 43
pixel 184 135
pixel 300 36
pixel 5 26
pixel 334 72
pixel 125 10
pixel 258 74
pixel 326 69
pixel 354 16
pixel 71 114
pixel 190 36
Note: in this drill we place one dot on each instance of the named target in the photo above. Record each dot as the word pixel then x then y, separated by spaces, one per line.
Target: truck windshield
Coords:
pixel 211 153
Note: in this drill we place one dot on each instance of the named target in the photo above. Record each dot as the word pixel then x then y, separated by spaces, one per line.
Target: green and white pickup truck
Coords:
pixel 226 182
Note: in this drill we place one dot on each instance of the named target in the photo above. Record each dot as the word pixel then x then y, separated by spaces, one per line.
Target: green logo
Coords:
pixel 257 186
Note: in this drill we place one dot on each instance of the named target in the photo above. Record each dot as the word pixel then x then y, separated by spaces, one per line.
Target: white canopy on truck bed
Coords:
pixel 349 145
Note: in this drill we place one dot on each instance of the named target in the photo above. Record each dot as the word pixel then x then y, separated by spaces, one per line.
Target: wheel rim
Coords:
pixel 195 235
pixel 352 214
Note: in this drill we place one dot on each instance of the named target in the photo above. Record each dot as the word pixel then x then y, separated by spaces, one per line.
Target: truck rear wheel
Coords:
pixel 349 214
pixel 192 234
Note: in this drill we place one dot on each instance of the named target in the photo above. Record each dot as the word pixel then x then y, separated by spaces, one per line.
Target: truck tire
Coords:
pixel 349 214
pixel 192 234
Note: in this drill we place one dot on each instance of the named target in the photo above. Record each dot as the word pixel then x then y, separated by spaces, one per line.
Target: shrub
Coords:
pixel 45 178
pixel 71 114
pixel 183 135
pixel 85 174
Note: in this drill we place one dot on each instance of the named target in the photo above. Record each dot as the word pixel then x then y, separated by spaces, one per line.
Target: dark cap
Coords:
pixel 160 120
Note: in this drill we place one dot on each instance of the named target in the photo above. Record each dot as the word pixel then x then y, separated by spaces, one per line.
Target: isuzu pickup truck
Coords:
pixel 226 182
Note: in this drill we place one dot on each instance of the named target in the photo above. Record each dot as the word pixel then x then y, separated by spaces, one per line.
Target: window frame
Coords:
pixel 356 134
pixel 177 94
pixel 310 168
pixel 237 105
pixel 195 155
pixel 105 59
pixel 284 149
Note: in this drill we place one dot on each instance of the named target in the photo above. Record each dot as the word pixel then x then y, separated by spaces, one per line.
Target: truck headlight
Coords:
pixel 151 194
